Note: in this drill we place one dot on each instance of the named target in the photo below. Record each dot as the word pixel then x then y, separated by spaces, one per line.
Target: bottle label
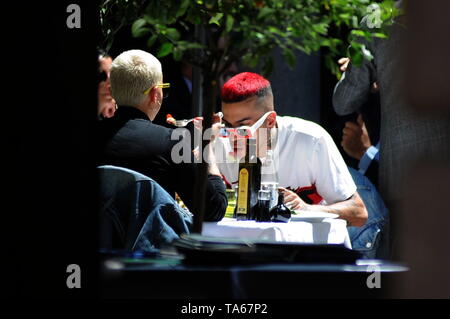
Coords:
pixel 243 191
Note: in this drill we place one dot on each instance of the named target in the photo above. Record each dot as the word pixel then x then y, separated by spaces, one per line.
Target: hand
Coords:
pixel 375 88
pixel 216 124
pixel 215 130
pixel 355 139
pixel 107 109
pixel 292 200
pixel 344 63
pixel 198 122
pixel 216 118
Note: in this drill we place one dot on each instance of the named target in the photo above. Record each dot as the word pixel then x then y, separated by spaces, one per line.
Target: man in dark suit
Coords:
pixel 405 136
pixel 131 140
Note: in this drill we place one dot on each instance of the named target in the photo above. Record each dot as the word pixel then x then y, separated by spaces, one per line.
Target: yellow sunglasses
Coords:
pixel 162 86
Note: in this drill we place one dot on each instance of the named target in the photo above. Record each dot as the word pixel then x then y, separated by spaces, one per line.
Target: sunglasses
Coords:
pixel 244 131
pixel 163 86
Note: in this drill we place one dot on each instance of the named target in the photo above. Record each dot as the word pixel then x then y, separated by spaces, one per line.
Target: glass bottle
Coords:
pixel 263 208
pixel 280 213
pixel 269 177
pixel 249 182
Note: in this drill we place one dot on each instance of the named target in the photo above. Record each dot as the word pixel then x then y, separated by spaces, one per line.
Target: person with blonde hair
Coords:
pixel 131 140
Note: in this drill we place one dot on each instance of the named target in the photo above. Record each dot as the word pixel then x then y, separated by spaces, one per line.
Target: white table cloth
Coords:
pixel 327 231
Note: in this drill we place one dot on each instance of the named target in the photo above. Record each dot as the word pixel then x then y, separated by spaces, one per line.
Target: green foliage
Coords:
pixel 251 28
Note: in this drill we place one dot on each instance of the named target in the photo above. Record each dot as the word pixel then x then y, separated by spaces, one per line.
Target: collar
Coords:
pixel 130 112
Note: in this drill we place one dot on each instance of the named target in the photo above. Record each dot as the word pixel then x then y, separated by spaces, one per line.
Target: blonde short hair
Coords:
pixel 133 72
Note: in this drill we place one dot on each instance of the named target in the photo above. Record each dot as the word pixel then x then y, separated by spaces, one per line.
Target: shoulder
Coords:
pixel 146 128
pixel 301 127
pixel 140 136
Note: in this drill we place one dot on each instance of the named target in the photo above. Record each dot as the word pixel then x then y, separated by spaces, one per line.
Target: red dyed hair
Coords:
pixel 243 86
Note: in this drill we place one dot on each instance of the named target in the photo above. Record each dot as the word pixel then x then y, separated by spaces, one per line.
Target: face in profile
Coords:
pixel 244 114
pixel 106 104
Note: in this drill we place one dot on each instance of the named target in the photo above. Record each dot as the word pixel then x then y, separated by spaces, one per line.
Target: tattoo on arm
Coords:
pixel 348 209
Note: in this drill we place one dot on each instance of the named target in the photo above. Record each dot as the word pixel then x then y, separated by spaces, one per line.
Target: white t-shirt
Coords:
pixel 308 162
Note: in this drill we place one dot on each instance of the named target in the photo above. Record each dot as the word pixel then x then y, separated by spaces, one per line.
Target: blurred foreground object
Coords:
pixel 423 219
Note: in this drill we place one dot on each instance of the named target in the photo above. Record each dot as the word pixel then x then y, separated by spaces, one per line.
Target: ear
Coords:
pixel 272 120
pixel 153 95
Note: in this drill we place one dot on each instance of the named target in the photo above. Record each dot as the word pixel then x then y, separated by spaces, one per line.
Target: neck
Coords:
pixel 151 113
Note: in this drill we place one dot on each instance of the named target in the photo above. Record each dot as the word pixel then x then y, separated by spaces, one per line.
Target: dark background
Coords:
pixel 49 208
pixel 48 114
pixel 51 203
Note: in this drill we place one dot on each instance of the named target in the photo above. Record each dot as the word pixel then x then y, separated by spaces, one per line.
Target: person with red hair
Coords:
pixel 310 169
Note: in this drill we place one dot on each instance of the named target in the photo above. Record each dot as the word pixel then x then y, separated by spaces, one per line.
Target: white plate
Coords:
pixel 312 216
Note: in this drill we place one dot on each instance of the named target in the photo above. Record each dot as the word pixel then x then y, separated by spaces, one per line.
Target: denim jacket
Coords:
pixel 372 239
pixel 136 213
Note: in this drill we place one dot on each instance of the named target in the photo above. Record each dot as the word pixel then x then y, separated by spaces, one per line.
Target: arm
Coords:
pixel 356 143
pixel 215 196
pixel 370 156
pixel 352 210
pixel 370 166
pixel 333 183
pixel 352 91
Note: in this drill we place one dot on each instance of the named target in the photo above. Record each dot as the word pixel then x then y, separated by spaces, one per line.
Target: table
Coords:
pixel 168 278
pixel 326 231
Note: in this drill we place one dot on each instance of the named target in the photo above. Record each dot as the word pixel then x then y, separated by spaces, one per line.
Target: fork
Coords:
pixel 183 123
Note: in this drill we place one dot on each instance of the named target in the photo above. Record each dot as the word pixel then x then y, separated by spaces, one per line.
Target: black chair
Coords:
pixel 136 213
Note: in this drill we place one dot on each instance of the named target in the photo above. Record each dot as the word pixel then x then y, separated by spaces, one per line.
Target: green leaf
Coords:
pixel 193 45
pixel 321 28
pixel 272 29
pixel 379 35
pixel 229 23
pixel 358 33
pixel 182 8
pixel 164 49
pixel 345 16
pixel 138 28
pixel 177 54
pixel 355 22
pixel 259 35
pixel 264 12
pixel 289 57
pixel 216 18
pixel 210 4
pixel 152 40
pixel 150 20
pixel 173 34
pixel 250 60
pixel 268 67
pixel 354 52
pixel 362 34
